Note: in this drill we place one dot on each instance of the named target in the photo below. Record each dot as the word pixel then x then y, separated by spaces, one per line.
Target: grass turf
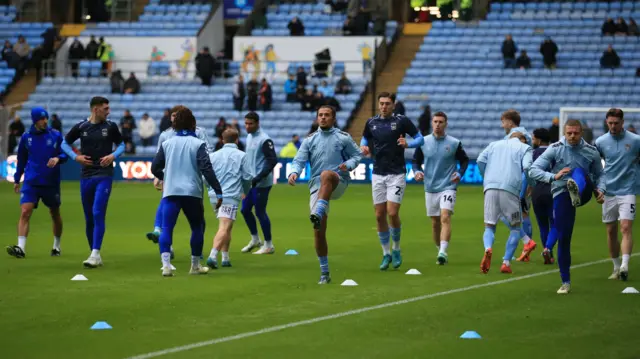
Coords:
pixel 46 314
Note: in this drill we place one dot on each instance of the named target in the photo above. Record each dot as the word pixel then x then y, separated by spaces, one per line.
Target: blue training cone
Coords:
pixel 470 334
pixel 291 252
pixel 100 326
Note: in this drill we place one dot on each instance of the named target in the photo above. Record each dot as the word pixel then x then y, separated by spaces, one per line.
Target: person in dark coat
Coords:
pixel 549 49
pixel 252 94
pixel 165 122
pixel 609 27
pixel 266 95
pixel 296 28
pixel 509 50
pixel 205 65
pixel 117 82
pixel 16 129
pixel 55 123
pixel 621 27
pixel 76 53
pixel 92 49
pixel 238 94
pixel 523 61
pixel 610 59
pixel 132 85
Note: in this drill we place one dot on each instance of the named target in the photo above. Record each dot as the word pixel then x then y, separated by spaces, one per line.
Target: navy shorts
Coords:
pixel 50 196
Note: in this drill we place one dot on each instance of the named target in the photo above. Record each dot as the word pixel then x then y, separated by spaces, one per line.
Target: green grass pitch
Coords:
pixel 46 315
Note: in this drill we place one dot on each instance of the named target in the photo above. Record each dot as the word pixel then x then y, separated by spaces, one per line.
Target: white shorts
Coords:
pixel 498 203
pixel 436 202
pixel 388 188
pixel 337 193
pixel 226 211
pixel 618 207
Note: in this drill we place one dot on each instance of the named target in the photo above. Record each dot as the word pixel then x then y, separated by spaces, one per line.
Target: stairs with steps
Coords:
pixel 388 80
pixel 21 90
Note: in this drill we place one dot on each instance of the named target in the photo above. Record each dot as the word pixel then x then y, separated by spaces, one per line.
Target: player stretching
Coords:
pixel 385 133
pixel 39 157
pixel 331 154
pixel 167 134
pixel 230 166
pixel 261 158
pixel 97 136
pixel 620 150
pixel 510 122
pixel 543 201
pixel 571 157
pixel 439 154
pixel 180 164
pixel 501 165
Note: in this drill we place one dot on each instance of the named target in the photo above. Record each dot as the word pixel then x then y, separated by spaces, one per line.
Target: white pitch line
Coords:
pixel 277 328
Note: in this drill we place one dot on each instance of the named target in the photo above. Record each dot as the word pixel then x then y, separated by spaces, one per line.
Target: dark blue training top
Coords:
pixel 382 135
pixel 96 141
pixel 35 149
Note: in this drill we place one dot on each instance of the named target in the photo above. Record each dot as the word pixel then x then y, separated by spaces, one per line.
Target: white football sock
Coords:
pixel 195 261
pixel 625 260
pixel 157 229
pixel 22 242
pixel 56 243
pixel 225 256
pixel 166 259
pixel 255 239
pixel 268 244
pixel 386 248
pixel 525 239
pixel 616 264
pixel 443 247
pixel 507 262
pixel 95 253
pixel 213 254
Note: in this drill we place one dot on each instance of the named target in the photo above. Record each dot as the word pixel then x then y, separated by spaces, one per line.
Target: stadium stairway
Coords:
pixel 388 80
pixel 21 90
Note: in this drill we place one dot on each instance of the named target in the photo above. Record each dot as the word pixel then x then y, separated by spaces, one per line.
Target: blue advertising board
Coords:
pixel 139 169
pixel 237 9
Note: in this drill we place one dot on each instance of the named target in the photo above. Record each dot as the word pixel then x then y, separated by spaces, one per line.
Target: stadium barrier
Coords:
pixel 139 169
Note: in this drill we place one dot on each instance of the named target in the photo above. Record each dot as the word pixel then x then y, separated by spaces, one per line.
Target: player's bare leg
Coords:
pixel 436 229
pixel 56 219
pixel 614 248
pixel 626 227
pixel 223 235
pixel 329 180
pixel 226 261
pixel 18 251
pixel 445 235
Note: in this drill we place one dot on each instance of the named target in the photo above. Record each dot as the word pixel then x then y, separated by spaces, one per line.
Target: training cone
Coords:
pixel 349 283
pixel 291 252
pixel 100 326
pixel 470 334
pixel 79 277
pixel 630 290
pixel 413 272
pixel 172 267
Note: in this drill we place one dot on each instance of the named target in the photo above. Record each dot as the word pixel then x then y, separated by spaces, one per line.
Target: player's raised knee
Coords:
pixel 327 176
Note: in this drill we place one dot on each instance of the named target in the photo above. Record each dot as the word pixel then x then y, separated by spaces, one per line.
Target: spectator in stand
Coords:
pixel 621 27
pixel 130 148
pixel 10 56
pixel 344 85
pixel 238 94
pixel 252 94
pixel 165 122
pixel 16 129
pixel 23 49
pixel 147 129
pixel 157 55
pixel 587 133
pixel 523 61
pixel 236 125
pixel 424 121
pixel 308 101
pixel 609 27
pixel 326 90
pixel 220 127
pixel 633 28
pixel 632 129
pixel 314 126
pixel 205 63
pixel 398 108
pixel 554 131
pixel 76 54
pixel 296 27
pixel 549 49
pixel 338 5
pixel 92 49
pixel 290 88
pixel 610 59
pixel 127 125
pixel 347 27
pixel 266 95
pixel 301 77
pixel 103 56
pixel 132 85
pixel 55 123
pixel 509 50
pixel 117 82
